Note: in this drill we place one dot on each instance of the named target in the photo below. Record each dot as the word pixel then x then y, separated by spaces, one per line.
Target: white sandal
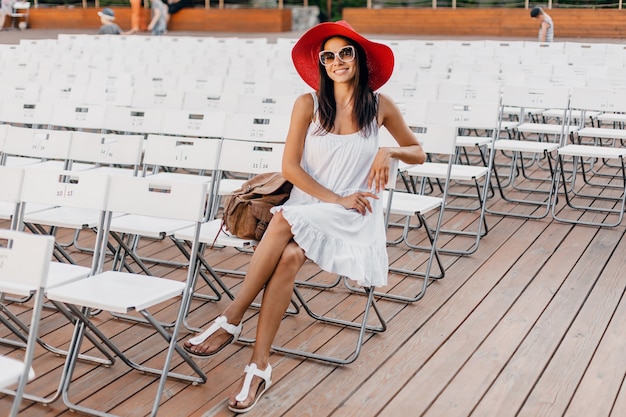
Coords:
pixel 251 371
pixel 220 323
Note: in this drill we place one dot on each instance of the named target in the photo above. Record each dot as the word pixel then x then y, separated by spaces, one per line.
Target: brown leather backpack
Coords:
pixel 247 210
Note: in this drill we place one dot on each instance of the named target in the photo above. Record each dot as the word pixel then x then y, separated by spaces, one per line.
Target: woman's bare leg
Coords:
pixel 262 266
pixel 276 299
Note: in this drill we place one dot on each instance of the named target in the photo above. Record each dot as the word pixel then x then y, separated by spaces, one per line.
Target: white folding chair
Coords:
pixel 121 292
pixel 436 139
pixel 23 272
pixel 535 145
pixel 590 183
pixel 470 178
pixel 257 157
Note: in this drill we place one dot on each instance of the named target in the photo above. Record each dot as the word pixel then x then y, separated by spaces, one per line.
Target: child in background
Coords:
pixel 158 24
pixel 107 16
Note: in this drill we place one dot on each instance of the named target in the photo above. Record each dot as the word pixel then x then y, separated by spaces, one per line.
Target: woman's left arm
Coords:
pixel 408 150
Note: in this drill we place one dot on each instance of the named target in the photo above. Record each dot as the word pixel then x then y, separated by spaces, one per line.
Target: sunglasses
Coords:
pixel 345 54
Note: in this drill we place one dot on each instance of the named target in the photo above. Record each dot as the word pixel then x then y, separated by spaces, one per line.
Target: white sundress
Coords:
pixel 339 241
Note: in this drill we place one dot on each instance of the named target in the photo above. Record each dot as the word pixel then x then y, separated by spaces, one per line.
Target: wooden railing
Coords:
pixel 499 22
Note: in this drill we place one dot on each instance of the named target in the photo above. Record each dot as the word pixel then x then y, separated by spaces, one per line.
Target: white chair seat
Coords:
pixel 147 226
pixel 61 273
pixel 70 217
pixel 118 292
pixel 604 152
pixel 612 117
pixel 524 146
pixel 458 171
pixel 508 124
pixel 548 129
pixel 407 204
pixel 208 232
pixel 12 369
pixel 468 141
pixel 179 176
pixel 601 132
pixel 574 115
pixel 228 185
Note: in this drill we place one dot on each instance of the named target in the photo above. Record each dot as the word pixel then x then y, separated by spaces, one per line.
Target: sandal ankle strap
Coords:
pixel 251 371
pixel 220 323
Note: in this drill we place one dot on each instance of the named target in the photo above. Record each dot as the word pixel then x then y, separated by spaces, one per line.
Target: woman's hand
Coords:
pixel 379 171
pixel 358 201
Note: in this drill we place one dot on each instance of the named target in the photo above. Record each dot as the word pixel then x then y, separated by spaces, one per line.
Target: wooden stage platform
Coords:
pixel 532 324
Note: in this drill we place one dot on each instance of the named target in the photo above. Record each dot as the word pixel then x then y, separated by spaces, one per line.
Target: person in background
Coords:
pixel 136 17
pixel 109 27
pixel 546 26
pixel 5 10
pixel 334 214
pixel 160 16
pixel 174 6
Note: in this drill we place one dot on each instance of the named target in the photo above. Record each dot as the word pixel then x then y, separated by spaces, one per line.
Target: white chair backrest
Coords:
pixel 158 197
pixel 134 120
pixel 199 100
pixel 535 97
pixel 468 92
pixel 63 94
pixel 194 123
pixel 171 98
pixel 182 152
pixel 260 127
pixel 11 179
pixel 38 143
pixel 27 112
pixel 110 96
pixel 83 116
pixel 107 149
pixel 80 189
pixel 24 261
pixel 605 100
pixel 471 115
pixel 248 103
pixel 3 136
pixel 435 138
pixel 252 157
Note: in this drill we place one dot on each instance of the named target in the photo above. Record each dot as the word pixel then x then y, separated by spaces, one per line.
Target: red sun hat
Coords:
pixel 305 53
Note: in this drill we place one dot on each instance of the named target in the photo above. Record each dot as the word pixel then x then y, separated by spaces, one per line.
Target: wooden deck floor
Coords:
pixel 532 324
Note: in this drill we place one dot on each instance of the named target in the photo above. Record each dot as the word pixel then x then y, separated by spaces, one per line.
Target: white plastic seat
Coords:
pixel 207 124
pixel 121 292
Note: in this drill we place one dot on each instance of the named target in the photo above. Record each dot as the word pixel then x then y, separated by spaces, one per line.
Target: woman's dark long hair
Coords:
pixel 364 101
